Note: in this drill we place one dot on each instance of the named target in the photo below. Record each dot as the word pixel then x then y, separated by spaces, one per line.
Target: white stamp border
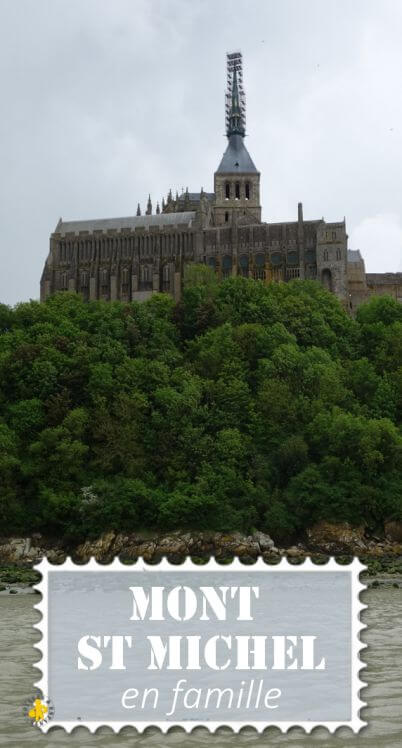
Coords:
pixel 354 568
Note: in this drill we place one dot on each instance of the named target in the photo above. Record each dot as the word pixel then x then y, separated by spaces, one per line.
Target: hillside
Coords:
pixel 243 406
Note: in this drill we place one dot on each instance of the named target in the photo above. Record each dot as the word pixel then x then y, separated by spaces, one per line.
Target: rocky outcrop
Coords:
pixel 30 550
pixel 322 540
pixel 393 531
pixel 175 546
pixel 336 538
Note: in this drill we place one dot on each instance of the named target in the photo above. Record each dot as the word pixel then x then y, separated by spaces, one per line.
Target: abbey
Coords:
pixel 132 257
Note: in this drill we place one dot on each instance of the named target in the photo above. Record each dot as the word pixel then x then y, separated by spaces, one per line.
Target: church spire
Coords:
pixel 149 206
pixel 236 126
pixel 235 96
pixel 138 209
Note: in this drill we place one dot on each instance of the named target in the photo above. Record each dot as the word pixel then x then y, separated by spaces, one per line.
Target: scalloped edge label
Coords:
pixel 165 567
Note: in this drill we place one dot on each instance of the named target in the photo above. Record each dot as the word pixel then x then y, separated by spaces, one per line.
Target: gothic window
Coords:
pixel 292 258
pixel 338 254
pixel 247 190
pixel 63 281
pixel 326 279
pixel 227 190
pixel 237 190
pixel 226 266
pixel 84 279
pixel 226 217
pixel 334 234
pixel 259 269
pixel 145 273
pixel 276 259
pixel 325 254
pixel 243 266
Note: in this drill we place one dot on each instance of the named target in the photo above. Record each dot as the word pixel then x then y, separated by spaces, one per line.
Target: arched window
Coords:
pixel 227 190
pixel 325 254
pixel 248 192
pixel 237 190
pixel 63 281
pixel 326 279
pixel 226 266
pixel 226 217
pixel 259 269
pixel 243 266
pixel 338 254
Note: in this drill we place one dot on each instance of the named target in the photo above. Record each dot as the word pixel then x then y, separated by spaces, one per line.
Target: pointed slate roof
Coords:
pixel 236 158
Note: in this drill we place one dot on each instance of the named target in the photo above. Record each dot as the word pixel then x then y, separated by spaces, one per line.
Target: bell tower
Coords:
pixel 236 181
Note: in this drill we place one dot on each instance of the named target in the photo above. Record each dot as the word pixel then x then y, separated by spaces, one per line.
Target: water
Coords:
pixel 383 694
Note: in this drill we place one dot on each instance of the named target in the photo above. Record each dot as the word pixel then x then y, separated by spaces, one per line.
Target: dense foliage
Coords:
pixel 242 406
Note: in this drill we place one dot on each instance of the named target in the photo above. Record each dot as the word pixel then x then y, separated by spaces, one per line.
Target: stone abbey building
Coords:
pixel 130 258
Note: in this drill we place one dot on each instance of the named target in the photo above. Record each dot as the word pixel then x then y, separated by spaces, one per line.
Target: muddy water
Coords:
pixel 383 694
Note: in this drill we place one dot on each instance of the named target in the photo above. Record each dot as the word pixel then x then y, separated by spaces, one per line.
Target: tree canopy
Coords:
pixel 244 405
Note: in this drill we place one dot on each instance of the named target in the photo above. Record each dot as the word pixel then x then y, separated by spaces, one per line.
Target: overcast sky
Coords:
pixel 104 101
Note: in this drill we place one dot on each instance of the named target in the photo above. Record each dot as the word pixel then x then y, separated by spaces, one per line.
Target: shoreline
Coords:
pixel 382 556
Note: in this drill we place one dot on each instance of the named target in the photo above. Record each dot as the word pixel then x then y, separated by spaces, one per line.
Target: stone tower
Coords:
pixel 236 181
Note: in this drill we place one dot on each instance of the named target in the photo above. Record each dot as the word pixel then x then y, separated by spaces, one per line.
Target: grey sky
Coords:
pixel 104 101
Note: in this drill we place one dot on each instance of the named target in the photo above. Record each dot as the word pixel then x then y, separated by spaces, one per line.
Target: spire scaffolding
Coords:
pixel 234 65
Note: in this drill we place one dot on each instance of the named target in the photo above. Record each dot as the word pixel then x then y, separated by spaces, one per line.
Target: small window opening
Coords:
pixel 237 191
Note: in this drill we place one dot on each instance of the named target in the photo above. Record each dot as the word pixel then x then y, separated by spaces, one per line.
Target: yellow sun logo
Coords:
pixel 38 713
